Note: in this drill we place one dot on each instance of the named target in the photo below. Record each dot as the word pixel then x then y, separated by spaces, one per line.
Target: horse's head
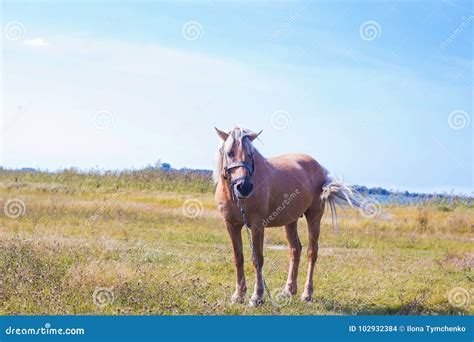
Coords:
pixel 237 160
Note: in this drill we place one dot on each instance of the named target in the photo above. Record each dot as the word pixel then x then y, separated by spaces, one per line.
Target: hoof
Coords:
pixel 255 302
pixel 237 298
pixel 287 293
pixel 307 297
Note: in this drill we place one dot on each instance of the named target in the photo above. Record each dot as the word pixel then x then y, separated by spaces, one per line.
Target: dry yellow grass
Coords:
pixel 136 246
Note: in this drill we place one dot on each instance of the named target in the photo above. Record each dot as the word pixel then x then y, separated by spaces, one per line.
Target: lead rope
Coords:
pixel 249 237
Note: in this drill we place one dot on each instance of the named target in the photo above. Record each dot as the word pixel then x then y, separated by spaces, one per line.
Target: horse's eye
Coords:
pixel 230 154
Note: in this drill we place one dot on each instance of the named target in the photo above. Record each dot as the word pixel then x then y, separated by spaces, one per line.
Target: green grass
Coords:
pixel 71 180
pixel 126 232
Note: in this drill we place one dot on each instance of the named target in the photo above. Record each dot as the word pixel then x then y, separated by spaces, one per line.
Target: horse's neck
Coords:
pixel 260 162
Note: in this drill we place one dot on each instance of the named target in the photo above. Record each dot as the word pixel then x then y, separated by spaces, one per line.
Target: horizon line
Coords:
pixel 392 189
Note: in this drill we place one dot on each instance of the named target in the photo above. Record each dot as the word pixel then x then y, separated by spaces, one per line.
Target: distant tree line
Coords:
pixel 206 175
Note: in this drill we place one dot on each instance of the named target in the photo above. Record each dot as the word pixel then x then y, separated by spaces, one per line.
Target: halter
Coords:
pixel 249 166
pixel 228 168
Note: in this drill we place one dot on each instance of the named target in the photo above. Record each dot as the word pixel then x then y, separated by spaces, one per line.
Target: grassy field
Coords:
pixel 139 243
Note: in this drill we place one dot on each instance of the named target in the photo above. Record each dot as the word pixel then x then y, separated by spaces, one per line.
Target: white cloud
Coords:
pixel 162 101
pixel 36 42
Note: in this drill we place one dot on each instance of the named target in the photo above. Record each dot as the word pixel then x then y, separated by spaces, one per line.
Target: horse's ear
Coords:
pixel 221 134
pixel 252 136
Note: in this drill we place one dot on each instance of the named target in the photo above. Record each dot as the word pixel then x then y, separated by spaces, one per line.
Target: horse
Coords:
pixel 273 192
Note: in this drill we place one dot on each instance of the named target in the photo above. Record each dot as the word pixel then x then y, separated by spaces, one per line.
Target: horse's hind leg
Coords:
pixel 294 247
pixel 313 217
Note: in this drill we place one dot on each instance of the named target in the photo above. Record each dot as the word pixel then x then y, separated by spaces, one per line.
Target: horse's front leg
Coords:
pixel 258 233
pixel 235 233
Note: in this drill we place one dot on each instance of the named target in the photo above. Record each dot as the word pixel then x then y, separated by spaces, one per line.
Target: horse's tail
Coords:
pixel 336 193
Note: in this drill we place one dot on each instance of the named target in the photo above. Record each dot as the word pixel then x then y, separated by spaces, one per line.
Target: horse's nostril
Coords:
pixel 243 187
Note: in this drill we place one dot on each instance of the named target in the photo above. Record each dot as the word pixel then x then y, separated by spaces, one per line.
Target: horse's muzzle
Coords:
pixel 243 187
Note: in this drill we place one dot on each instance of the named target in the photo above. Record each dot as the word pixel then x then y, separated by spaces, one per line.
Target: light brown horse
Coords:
pixel 272 192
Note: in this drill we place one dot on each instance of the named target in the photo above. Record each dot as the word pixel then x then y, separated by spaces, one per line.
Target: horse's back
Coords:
pixel 298 163
pixel 298 169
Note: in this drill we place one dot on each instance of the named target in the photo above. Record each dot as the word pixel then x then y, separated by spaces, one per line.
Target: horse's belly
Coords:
pixel 278 223
pixel 284 214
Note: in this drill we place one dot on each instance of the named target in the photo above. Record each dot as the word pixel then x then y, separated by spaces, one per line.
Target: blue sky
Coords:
pixel 378 92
